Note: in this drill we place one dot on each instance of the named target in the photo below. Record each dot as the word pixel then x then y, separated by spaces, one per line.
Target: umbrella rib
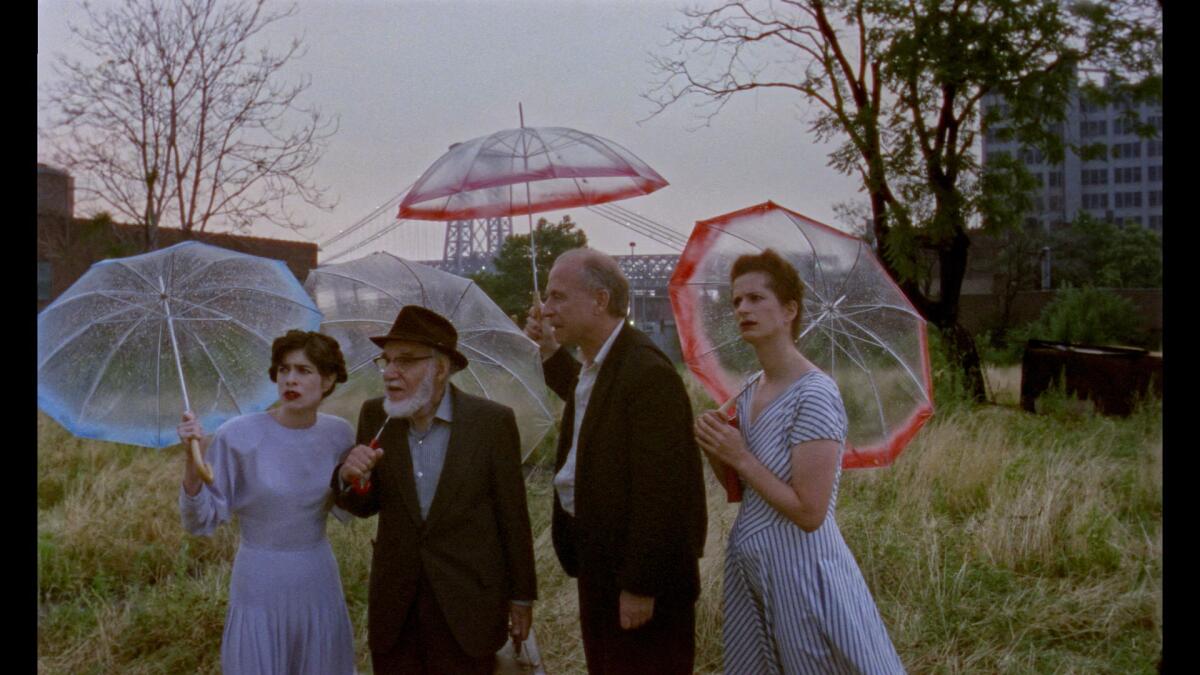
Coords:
pixel 112 295
pixel 334 322
pixel 205 265
pixel 221 379
pixel 375 286
pixel 716 348
pixel 852 310
pixel 458 303
pixel 137 273
pixel 420 284
pixel 158 418
pixel 883 425
pixel 227 317
pixel 226 290
pixel 100 371
pixel 879 342
pixel 858 253
pixel 513 373
pixel 811 246
pixel 70 338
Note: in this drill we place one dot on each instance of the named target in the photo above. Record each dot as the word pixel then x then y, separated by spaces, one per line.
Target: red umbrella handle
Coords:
pixel 730 480
pixel 363 485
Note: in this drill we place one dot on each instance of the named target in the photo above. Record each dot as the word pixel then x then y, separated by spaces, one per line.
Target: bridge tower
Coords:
pixel 472 245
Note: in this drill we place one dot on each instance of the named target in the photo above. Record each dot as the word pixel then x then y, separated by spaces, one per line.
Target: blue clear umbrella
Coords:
pixel 136 341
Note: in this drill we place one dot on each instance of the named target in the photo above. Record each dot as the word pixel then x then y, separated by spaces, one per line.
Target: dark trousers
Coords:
pixel 664 645
pixel 426 646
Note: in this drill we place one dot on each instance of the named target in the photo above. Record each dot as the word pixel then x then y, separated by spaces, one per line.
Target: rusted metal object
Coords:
pixel 1113 378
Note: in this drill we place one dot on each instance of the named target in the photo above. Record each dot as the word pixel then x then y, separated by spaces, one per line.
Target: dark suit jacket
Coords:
pixel 475 548
pixel 640 515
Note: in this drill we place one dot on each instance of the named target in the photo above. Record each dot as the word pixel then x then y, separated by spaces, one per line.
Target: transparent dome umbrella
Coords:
pixel 137 341
pixel 361 298
pixel 857 326
pixel 525 171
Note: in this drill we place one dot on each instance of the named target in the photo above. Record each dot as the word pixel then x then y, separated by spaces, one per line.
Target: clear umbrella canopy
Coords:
pixel 113 348
pixel 527 170
pixel 857 326
pixel 361 298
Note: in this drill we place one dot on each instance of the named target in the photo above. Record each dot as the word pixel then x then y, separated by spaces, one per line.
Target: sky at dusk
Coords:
pixel 408 79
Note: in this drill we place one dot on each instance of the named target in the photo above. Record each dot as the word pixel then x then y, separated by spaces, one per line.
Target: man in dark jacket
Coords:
pixel 629 510
pixel 453 560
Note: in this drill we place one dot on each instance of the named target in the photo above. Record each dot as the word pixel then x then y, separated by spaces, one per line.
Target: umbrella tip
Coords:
pixel 521 114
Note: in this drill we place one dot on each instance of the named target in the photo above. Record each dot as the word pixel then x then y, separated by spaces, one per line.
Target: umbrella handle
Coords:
pixel 204 470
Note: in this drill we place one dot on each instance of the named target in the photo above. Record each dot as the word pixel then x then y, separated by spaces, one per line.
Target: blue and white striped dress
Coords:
pixel 795 601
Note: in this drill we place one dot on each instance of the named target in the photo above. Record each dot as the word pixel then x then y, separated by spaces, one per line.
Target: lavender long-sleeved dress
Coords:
pixel 287 612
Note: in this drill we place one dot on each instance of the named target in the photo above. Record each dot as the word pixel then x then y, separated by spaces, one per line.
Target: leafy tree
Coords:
pixel 178 115
pixel 511 285
pixel 1094 252
pixel 900 84
pixel 1017 268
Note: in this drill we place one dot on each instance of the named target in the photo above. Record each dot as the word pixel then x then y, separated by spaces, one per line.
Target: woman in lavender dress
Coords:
pixel 795 600
pixel 271 470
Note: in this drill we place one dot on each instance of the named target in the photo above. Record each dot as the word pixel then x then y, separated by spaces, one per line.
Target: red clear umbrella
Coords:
pixel 858 326
pixel 525 171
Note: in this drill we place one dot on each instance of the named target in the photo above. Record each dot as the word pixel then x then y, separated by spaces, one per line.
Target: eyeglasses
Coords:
pixel 404 363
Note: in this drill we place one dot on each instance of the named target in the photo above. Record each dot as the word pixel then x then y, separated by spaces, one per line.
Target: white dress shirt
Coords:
pixel 564 481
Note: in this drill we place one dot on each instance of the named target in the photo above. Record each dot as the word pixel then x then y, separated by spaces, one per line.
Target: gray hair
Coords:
pixel 601 272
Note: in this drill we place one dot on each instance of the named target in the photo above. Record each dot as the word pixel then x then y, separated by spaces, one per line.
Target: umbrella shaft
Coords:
pixel 187 405
pixel 532 247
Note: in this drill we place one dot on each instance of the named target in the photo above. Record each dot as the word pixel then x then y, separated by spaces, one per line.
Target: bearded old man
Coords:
pixel 453 565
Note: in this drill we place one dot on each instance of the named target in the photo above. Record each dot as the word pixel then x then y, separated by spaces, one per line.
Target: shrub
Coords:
pixel 1087 316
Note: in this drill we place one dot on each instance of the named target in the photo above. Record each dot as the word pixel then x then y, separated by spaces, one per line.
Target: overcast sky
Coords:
pixel 407 79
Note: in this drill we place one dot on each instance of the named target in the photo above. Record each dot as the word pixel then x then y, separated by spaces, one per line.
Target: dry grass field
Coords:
pixel 999 542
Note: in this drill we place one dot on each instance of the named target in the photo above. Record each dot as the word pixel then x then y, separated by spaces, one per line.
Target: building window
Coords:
pixel 1156 223
pixel 998 134
pixel 1055 178
pixel 1032 156
pixel 1124 125
pixel 1154 149
pixel 1094 177
pixel 1156 198
pixel 1124 200
pixel 1155 173
pixel 1126 150
pixel 1156 121
pixel 45 279
pixel 1095 201
pixel 1040 179
pixel 1054 202
pixel 1093 128
pixel 1090 107
pixel 1128 174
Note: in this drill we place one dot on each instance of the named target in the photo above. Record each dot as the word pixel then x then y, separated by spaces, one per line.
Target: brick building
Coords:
pixel 67 246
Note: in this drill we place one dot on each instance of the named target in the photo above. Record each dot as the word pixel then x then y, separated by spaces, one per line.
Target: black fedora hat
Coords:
pixel 414 323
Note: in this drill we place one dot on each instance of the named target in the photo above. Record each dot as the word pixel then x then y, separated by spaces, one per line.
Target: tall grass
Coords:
pixel 999 542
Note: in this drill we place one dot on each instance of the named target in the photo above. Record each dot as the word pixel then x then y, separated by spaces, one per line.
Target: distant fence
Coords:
pixel 983 311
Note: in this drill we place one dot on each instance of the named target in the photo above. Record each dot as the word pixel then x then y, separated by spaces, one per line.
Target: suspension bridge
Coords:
pixel 469 246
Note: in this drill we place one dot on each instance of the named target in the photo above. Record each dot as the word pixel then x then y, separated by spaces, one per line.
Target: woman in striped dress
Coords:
pixel 795 600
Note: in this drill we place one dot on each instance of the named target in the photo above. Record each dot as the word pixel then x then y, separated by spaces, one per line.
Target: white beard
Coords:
pixel 419 399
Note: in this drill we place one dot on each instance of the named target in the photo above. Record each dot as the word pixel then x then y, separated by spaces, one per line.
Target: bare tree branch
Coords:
pixel 182 116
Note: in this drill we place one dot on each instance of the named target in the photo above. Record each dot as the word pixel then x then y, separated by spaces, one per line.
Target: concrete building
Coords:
pixel 1123 187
